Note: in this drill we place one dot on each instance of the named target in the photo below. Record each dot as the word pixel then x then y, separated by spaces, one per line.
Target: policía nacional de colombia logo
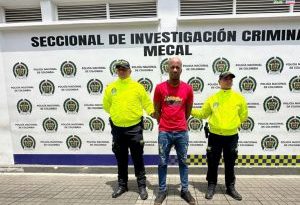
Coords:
pixel 164 66
pixel 24 106
pixel 274 65
pixel 71 106
pixel 293 124
pixel 47 87
pixel 95 87
pixel 215 105
pixel 50 125
pixel 194 124
pixel 294 84
pixel 73 143
pixel 147 83
pixel 269 143
pixel 247 84
pixel 220 65
pixel 68 69
pixel 197 84
pixel 148 124
pixel 97 124
pixel 272 104
pixel 112 68
pixel 20 70
pixel 28 142
pixel 113 91
pixel 247 126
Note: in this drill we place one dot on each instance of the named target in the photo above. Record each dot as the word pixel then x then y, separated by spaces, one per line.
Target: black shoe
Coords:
pixel 160 198
pixel 121 190
pixel 210 191
pixel 143 193
pixel 186 195
pixel 233 193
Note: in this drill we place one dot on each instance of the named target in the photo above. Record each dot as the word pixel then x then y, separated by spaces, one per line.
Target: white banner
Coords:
pixel 55 81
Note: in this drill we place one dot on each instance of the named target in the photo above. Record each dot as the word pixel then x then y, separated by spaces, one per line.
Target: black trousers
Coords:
pixel 124 139
pixel 217 144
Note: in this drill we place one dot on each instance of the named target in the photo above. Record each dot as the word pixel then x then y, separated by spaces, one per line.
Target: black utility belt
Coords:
pixel 213 134
pixel 132 126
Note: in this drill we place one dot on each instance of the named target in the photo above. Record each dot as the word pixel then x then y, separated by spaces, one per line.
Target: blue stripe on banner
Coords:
pixel 76 159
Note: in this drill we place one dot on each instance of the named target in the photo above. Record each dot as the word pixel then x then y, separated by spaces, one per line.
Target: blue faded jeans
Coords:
pixel 166 140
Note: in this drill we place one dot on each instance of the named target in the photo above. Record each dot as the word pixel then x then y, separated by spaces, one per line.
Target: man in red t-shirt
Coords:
pixel 173 101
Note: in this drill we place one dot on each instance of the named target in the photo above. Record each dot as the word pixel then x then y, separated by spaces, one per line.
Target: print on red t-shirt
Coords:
pixel 174 101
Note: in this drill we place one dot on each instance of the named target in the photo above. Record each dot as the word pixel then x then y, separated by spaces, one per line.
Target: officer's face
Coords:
pixel 226 83
pixel 123 73
pixel 175 69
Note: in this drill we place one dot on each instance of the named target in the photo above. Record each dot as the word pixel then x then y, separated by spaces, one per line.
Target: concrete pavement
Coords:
pixel 50 188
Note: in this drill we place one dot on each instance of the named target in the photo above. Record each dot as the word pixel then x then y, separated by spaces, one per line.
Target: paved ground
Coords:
pixel 53 189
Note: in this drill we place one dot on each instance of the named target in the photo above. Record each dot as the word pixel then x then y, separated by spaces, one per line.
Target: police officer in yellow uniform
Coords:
pixel 124 100
pixel 225 110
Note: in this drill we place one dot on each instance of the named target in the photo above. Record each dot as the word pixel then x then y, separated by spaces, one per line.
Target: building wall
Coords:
pixel 52 115
pixel 6 151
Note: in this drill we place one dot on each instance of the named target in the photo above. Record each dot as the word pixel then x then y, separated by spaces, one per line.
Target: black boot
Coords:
pixel 160 198
pixel 210 191
pixel 119 191
pixel 143 193
pixel 233 193
pixel 186 195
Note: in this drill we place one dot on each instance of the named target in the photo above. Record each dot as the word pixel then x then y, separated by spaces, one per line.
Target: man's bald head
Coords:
pixel 174 59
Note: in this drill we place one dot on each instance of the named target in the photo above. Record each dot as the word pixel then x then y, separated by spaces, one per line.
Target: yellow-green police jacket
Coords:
pixel 125 100
pixel 226 110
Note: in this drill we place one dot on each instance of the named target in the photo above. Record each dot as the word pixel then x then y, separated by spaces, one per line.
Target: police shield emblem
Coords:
pixel 194 124
pixel 269 143
pixel 164 66
pixel 28 142
pixel 46 87
pixel 247 85
pixel 274 65
pixel 147 124
pixel 73 142
pixel 197 84
pixel 68 69
pixel 50 125
pixel 95 87
pixel 293 124
pixel 20 70
pixel 247 126
pixel 71 106
pixel 24 106
pixel 97 124
pixel 294 84
pixel 112 68
pixel 147 83
pixel 272 104
pixel 220 65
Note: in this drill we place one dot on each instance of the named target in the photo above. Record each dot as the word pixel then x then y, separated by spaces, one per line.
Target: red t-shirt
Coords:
pixel 173 102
